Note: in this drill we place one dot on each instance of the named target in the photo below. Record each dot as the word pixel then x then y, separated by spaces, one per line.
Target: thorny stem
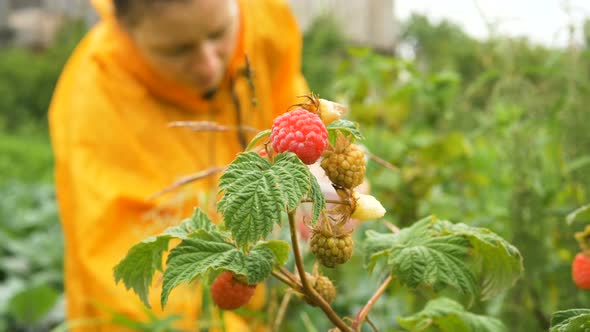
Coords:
pixel 362 315
pixel 307 290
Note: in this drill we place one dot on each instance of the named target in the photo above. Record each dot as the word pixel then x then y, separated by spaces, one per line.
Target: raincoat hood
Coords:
pixel 125 52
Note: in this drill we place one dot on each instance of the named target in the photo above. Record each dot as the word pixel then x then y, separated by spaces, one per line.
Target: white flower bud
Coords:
pixel 331 111
pixel 367 207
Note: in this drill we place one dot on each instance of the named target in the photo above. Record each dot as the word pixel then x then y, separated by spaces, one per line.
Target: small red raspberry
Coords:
pixel 331 250
pixel 581 271
pixel 300 132
pixel 229 293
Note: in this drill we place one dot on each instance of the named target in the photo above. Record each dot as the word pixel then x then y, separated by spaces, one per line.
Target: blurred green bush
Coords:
pixel 31 242
pixel 492 133
pixel 27 79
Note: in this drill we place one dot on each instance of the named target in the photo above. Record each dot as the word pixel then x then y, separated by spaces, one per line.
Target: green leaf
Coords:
pixel 32 304
pixel 256 191
pixel 137 269
pixel 497 263
pixel 420 257
pixel 258 137
pixel 446 315
pixel 572 320
pixel 279 248
pixel 377 246
pixel 199 220
pixel 200 253
pixel 434 261
pixel 346 127
pixel 441 254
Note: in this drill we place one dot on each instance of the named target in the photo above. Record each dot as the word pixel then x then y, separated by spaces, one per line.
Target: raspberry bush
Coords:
pixel 260 193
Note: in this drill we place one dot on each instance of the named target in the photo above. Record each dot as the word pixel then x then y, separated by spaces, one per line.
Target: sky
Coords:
pixel 542 21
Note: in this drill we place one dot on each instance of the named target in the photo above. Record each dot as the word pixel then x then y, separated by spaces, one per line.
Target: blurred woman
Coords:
pixel 235 63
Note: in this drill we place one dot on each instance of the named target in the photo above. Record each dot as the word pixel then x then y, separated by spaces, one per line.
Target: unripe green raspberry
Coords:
pixel 324 287
pixel 331 251
pixel 345 166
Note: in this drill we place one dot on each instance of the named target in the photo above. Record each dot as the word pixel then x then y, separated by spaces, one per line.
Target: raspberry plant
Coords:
pixel 261 192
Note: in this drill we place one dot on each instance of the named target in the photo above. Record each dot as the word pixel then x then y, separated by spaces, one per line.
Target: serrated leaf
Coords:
pixel 572 320
pixel 440 254
pixel 202 252
pixel 279 248
pixel 446 315
pixel 377 246
pixel 255 192
pixel 137 268
pixel 258 137
pixel 346 127
pixel 259 264
pixel 438 262
pixel 497 263
pixel 419 256
pixel 559 317
pixel 199 220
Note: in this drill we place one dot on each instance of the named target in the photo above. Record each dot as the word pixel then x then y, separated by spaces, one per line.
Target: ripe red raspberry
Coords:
pixel 581 271
pixel 331 250
pixel 300 132
pixel 228 293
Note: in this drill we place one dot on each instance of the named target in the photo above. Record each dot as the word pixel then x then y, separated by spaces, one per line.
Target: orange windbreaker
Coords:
pixel 109 124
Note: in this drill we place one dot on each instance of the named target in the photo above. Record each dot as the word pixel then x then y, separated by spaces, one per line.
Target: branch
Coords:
pixel 286 281
pixel 282 310
pixel 329 201
pixel 210 126
pixel 186 180
pixel 289 274
pixel 381 162
pixel 362 315
pixel 372 325
pixel 309 292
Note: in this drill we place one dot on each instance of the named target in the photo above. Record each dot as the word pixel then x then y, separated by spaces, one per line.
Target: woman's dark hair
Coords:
pixel 130 11
pixel 123 7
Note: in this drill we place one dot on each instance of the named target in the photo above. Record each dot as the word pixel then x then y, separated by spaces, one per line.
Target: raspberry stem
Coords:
pixel 364 312
pixel 286 280
pixel 329 201
pixel 307 289
pixel 381 162
pixel 289 275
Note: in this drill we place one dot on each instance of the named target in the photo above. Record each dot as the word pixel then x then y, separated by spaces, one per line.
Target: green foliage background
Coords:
pixel 489 133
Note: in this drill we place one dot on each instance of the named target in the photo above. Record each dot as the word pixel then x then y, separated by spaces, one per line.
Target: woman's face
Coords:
pixel 189 41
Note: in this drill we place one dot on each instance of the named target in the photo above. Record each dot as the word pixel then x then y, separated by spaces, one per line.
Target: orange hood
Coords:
pixel 157 84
